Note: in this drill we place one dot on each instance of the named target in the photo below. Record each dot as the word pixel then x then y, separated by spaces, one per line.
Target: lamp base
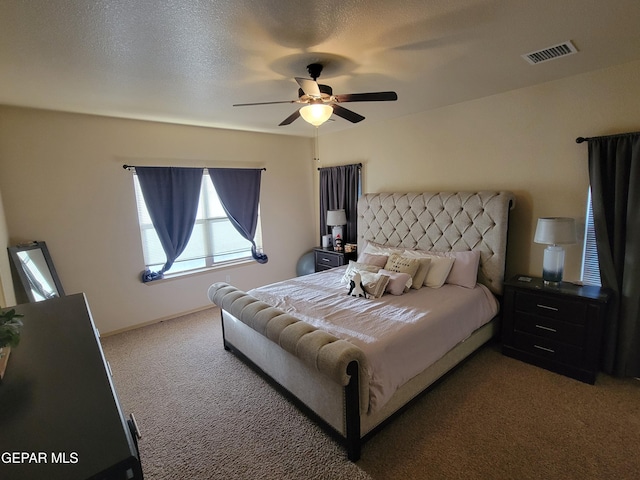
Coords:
pixel 553 265
pixel 337 238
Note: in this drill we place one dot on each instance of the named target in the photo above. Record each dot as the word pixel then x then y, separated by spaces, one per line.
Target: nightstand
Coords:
pixel 554 327
pixel 326 258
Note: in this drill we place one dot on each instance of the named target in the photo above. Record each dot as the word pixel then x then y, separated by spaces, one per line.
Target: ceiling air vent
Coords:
pixel 550 53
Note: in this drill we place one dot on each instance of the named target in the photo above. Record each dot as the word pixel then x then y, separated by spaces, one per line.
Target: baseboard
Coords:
pixel 159 320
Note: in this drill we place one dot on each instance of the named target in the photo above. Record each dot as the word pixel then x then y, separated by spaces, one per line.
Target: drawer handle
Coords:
pixel 326 260
pixel 544 348
pixel 542 327
pixel 547 307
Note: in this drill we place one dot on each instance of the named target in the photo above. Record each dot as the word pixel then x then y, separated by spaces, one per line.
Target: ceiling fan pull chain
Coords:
pixel 316 148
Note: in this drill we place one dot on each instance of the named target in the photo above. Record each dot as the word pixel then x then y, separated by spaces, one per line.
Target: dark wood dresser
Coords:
pixel 60 417
pixel 555 327
pixel 326 258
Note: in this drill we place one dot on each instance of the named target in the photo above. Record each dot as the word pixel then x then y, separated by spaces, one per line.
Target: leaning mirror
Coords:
pixel 35 270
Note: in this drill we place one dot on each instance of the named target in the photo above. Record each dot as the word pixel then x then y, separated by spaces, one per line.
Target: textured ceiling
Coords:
pixel 189 61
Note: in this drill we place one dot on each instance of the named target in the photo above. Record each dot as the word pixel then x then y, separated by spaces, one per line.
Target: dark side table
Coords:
pixel 554 327
pixel 326 258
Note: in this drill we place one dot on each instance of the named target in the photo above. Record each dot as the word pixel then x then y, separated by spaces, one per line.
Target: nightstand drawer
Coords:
pixel 549 328
pixel 328 260
pixel 550 306
pixel 546 348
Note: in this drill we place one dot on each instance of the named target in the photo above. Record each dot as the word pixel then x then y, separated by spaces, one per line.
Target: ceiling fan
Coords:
pixel 320 102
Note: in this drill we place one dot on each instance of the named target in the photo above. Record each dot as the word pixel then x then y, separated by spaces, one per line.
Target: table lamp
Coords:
pixel 554 232
pixel 336 219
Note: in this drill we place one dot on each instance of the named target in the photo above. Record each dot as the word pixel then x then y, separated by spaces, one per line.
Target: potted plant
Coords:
pixel 9 329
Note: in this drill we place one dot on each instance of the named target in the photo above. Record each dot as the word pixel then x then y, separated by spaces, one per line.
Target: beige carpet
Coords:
pixel 206 415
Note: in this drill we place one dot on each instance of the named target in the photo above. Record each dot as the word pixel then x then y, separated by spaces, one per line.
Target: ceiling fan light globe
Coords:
pixel 316 114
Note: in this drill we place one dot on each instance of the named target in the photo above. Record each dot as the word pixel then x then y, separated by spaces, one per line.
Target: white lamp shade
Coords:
pixel 316 114
pixel 336 217
pixel 555 231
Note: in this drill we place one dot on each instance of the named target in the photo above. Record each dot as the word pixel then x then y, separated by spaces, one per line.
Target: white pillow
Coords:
pixel 439 267
pixel 377 249
pixel 372 259
pixel 398 282
pixel 465 267
pixel 355 267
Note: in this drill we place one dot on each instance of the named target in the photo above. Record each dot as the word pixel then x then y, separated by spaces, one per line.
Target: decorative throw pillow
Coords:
pixel 421 273
pixel 465 268
pixel 356 267
pixel 402 264
pixel 397 282
pixel 374 284
pixel 439 267
pixel 438 271
pixel 464 271
pixel 372 259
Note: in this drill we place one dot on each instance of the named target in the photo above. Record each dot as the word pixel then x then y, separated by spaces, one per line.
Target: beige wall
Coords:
pixel 62 181
pixel 7 296
pixel 523 141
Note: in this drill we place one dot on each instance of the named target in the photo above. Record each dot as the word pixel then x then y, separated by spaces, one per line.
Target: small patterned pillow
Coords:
pixel 374 284
pixel 398 263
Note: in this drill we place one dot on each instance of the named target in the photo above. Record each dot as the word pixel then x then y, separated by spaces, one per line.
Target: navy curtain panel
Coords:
pixel 340 189
pixel 614 174
pixel 171 195
pixel 239 193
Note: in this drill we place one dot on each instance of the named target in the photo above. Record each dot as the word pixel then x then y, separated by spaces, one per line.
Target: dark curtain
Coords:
pixel 614 172
pixel 340 189
pixel 171 195
pixel 239 193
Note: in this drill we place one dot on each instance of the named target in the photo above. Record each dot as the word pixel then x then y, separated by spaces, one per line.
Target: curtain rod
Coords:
pixel 132 168
pixel 586 139
pixel 358 164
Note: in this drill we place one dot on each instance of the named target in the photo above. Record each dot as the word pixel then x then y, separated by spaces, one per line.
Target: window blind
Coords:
pixel 590 268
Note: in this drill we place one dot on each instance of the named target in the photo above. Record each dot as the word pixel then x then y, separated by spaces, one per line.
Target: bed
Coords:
pixel 353 371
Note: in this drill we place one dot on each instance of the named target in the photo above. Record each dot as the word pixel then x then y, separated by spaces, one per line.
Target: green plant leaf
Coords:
pixel 10 328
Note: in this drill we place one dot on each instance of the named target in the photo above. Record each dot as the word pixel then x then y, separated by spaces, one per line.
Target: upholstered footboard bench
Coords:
pixel 322 371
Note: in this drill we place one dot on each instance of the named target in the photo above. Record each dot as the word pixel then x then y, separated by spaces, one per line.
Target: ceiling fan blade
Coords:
pixel 353 117
pixel 309 87
pixel 262 103
pixel 367 97
pixel 290 118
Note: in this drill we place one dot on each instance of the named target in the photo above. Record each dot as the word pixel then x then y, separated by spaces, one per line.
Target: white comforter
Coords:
pixel 400 335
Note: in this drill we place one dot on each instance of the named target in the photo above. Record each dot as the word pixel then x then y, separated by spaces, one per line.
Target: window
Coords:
pixel 590 268
pixel 214 239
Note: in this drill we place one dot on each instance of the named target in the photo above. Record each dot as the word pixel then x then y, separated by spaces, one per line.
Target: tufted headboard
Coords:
pixel 442 222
